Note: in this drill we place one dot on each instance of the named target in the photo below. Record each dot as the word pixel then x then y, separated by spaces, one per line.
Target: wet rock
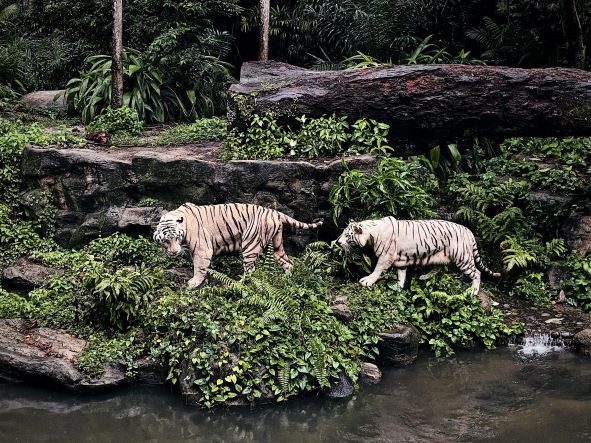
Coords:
pixel 399 345
pixel 577 233
pixel 556 274
pixel 342 312
pixel 46 355
pixel 484 301
pixel 150 372
pixel 582 342
pixel 46 100
pixel 97 192
pixel 341 388
pixel 370 374
pixel 26 275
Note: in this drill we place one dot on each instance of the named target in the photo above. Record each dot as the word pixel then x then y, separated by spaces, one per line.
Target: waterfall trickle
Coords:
pixel 536 343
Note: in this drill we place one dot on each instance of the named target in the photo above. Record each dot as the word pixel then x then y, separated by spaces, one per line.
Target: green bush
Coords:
pixel 265 139
pixel 578 286
pixel 396 187
pixel 14 137
pixel 13 305
pixel 123 119
pixel 145 90
pixel 271 334
pixel 205 129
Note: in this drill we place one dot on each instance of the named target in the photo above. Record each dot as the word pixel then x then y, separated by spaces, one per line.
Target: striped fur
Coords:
pixel 402 243
pixel 219 229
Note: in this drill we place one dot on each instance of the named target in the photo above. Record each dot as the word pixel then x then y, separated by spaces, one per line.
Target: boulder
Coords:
pixel 98 192
pixel 341 388
pixel 46 100
pixel 342 312
pixel 399 345
pixel 26 275
pixel 48 356
pixel 370 374
pixel 556 274
pixel 577 233
pixel 582 342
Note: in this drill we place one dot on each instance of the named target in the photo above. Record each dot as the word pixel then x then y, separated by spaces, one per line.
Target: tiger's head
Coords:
pixel 353 237
pixel 171 231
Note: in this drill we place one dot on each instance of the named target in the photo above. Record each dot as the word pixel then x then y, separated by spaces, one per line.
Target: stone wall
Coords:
pixel 98 192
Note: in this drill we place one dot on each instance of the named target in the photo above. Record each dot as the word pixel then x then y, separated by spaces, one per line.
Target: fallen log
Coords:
pixel 423 104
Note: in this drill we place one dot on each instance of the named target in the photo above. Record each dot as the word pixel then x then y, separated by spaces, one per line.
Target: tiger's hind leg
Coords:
pixel 280 254
pixel 401 277
pixel 250 255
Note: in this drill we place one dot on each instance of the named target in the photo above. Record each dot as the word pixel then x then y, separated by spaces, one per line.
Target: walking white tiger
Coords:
pixel 401 243
pixel 218 229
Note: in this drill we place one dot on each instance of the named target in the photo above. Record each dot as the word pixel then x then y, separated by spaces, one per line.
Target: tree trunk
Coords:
pixel 422 103
pixel 575 46
pixel 117 64
pixel 264 31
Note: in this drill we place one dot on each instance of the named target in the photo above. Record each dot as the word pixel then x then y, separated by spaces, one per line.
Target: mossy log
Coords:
pixel 424 104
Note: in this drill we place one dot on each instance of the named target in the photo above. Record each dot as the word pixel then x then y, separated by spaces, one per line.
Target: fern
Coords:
pixel 318 360
pixel 517 254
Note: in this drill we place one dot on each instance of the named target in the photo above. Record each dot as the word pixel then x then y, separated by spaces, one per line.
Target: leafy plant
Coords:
pixel 323 136
pixel 578 286
pixel 263 139
pixel 396 187
pixel 111 120
pixel 146 90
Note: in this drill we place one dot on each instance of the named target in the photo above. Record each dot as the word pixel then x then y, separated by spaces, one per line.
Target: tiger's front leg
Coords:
pixel 384 263
pixel 200 264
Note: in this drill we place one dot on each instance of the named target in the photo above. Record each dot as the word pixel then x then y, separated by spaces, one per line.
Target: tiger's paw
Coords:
pixel 367 281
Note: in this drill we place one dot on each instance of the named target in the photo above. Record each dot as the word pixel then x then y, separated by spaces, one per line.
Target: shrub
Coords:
pixel 145 89
pixel 265 139
pixel 396 187
pixel 578 286
pixel 123 119
pixel 205 129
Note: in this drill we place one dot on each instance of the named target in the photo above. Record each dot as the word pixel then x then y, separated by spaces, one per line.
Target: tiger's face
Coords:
pixel 171 232
pixel 353 237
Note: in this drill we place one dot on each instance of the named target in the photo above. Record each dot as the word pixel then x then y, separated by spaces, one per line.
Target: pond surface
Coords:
pixel 501 395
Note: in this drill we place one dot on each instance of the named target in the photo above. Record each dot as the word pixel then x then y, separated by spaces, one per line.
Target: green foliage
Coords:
pixel 121 294
pixel 101 351
pixel 265 139
pixel 532 286
pixel 323 136
pixel 145 88
pixel 493 209
pixel 123 119
pixel 444 312
pixel 271 334
pixel 522 254
pixel 569 150
pixel 12 305
pixel 578 285
pixel 205 129
pixel 14 137
pixel 396 187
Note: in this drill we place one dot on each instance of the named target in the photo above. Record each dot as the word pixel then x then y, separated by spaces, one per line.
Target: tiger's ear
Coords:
pixel 357 229
pixel 180 220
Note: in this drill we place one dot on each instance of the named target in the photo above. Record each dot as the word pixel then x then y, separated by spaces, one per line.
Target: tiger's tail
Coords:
pixel 480 264
pixel 287 220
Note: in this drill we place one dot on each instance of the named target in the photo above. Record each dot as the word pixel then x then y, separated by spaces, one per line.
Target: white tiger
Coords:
pixel 402 243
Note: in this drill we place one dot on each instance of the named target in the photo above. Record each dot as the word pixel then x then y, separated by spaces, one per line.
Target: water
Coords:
pixel 502 396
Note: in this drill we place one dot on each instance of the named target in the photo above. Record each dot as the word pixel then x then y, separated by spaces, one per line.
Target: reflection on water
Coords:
pixel 480 396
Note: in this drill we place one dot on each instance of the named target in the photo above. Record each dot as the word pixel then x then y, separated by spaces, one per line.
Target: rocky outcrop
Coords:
pixel 98 192
pixel 46 100
pixel 25 275
pixel 582 342
pixel 399 345
pixel 577 233
pixel 48 356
